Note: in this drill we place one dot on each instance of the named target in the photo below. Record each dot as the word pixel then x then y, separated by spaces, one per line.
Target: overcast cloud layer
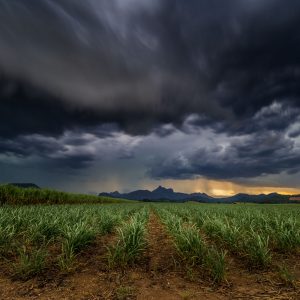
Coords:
pixel 169 89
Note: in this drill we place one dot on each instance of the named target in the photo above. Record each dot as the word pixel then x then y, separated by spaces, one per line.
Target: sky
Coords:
pixel 105 95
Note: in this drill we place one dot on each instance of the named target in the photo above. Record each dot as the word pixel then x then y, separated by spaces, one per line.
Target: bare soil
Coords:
pixel 158 275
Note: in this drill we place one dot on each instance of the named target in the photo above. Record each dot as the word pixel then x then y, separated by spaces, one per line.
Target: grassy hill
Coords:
pixel 14 195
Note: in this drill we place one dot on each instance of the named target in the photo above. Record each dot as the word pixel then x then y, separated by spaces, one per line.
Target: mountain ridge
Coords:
pixel 162 194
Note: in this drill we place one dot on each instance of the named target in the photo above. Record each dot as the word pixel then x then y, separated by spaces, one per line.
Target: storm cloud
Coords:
pixel 76 72
pixel 120 61
pixel 271 145
pixel 245 157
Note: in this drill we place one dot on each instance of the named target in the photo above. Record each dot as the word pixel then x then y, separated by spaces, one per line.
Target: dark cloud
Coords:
pixel 140 64
pixel 28 110
pixel 71 162
pixel 72 72
pixel 267 144
pixel 70 151
pixel 247 157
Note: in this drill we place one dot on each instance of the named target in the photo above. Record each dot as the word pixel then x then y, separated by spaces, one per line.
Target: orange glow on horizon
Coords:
pixel 224 188
pixel 213 188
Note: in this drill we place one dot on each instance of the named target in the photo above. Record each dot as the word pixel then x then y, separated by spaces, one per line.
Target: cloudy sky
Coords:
pixel 198 95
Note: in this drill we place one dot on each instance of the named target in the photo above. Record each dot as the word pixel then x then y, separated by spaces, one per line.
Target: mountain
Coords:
pixel 159 194
pixel 261 198
pixel 162 194
pixel 25 185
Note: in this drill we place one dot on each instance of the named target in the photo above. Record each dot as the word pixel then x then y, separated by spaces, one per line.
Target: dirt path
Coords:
pixel 159 276
pixel 165 280
pixel 155 276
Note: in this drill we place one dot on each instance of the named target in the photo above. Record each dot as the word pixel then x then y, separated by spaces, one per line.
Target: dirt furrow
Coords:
pixel 160 277
pixel 158 274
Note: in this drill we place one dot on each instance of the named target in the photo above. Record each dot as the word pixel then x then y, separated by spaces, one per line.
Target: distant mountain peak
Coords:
pixel 116 193
pixel 274 194
pixel 25 185
pixel 167 194
pixel 162 189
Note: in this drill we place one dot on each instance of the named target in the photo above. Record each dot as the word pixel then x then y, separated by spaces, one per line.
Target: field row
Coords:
pixel 28 235
pixel 34 239
pixel 251 232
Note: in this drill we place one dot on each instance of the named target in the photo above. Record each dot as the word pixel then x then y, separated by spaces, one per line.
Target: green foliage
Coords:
pixel 131 241
pixel 13 195
pixel 190 245
pixel 192 248
pixel 202 234
pixel 73 227
pixel 286 276
pixel 67 257
pixel 30 262
pixel 250 232
pixel 78 236
pixel 256 247
pixel 288 234
pixel 216 263
pixel 7 234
